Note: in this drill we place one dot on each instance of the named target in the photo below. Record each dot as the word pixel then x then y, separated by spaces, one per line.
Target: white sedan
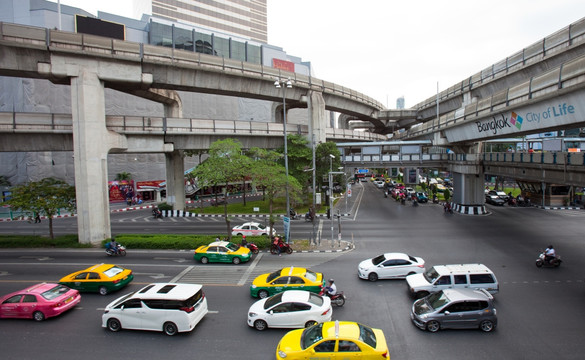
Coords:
pixel 251 229
pixel 290 309
pixel 390 266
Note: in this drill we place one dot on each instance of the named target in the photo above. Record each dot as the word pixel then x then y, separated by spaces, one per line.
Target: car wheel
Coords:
pixel 310 323
pixel 410 273
pixel 260 325
pixel 170 328
pixel 204 260
pixel 114 325
pixel 262 294
pixel 38 316
pixel 102 290
pixel 486 326
pixel 236 260
pixel 239 234
pixel 373 277
pixel 340 301
pixel 433 326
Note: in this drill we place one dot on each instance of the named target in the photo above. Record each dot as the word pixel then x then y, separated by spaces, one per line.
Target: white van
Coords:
pixel 440 277
pixel 167 307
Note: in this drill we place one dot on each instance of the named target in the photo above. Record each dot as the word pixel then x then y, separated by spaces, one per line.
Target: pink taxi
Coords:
pixel 39 302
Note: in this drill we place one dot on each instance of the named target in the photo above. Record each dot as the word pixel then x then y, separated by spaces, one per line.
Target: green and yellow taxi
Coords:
pixel 101 278
pixel 288 278
pixel 222 251
pixel 334 340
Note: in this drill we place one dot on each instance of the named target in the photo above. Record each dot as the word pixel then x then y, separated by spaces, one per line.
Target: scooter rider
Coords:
pixel 113 246
pixel 331 289
pixel 549 254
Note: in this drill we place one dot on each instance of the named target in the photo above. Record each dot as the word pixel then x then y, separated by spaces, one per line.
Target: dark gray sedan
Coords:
pixel 455 309
pixel 494 200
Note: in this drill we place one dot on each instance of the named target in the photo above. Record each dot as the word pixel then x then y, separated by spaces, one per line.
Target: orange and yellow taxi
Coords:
pixel 102 278
pixel 288 278
pixel 334 340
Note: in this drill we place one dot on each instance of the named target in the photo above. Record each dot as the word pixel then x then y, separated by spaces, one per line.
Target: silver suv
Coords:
pixel 455 309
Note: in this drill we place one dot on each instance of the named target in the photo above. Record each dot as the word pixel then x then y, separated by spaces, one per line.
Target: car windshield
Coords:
pixel 311 335
pixel 273 275
pixel 261 227
pixel 113 271
pixel 311 276
pixel 273 300
pixel 437 300
pixel 122 299
pixel 367 335
pixel 378 259
pixel 55 292
pixel 232 247
pixel 431 275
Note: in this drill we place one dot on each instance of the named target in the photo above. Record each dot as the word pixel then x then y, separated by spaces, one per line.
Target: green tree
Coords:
pixel 225 164
pixel 43 197
pixel 322 163
pixel 123 176
pixel 300 158
pixel 4 181
pixel 271 176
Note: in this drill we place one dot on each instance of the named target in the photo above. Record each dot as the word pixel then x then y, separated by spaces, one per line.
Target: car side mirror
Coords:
pixel 271 312
pixel 122 307
pixel 447 313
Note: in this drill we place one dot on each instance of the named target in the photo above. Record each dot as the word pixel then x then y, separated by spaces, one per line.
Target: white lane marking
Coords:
pixel 249 270
pixel 182 273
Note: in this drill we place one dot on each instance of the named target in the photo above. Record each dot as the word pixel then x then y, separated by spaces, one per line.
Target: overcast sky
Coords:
pixel 387 48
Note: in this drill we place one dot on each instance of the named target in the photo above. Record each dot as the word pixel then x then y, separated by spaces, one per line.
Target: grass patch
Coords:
pixel 35 241
pixel 179 241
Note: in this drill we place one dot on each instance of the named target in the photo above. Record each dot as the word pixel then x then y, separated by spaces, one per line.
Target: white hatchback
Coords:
pixel 290 309
pixel 167 307
pixel 390 266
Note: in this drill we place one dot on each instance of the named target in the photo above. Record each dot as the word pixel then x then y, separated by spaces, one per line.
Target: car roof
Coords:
pixel 219 243
pixel 346 329
pixel 292 270
pixel 467 294
pixel 295 295
pixel 462 268
pixel 396 255
pixel 38 288
pixel 167 290
pixel 99 267
pixel 251 223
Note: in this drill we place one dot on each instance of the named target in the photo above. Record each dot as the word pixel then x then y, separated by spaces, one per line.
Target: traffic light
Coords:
pixel 329 213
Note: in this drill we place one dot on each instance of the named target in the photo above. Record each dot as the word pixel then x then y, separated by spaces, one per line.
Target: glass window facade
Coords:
pixel 192 40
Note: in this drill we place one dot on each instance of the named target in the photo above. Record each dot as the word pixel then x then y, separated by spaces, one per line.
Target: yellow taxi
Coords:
pixel 102 278
pixel 334 340
pixel 288 278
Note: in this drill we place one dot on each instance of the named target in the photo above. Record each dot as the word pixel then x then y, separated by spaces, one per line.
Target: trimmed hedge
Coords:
pixel 35 241
pixel 179 241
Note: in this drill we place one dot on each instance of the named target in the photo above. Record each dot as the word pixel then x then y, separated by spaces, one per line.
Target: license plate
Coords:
pixel 68 300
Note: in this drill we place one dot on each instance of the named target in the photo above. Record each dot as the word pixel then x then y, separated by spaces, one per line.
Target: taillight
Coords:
pixel 421 266
pixel 56 305
pixel 187 309
pixel 326 311
pixel 116 281
pixel 385 355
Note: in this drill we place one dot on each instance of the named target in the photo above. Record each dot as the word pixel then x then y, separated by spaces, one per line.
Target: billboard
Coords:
pixel 93 26
pixel 283 65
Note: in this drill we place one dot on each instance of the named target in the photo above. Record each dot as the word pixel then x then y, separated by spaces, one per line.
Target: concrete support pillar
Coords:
pixel 317 117
pixel 468 196
pixel 90 150
pixel 175 179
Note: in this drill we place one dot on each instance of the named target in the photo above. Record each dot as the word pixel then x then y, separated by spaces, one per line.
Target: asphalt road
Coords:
pixel 540 311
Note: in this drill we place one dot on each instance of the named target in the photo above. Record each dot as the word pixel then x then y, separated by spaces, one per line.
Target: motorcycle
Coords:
pixel 308 216
pixel 284 247
pixel 541 261
pixel 435 199
pixel 447 208
pixel 337 299
pixel 511 201
pixel 121 251
pixel 253 247
pixel 157 214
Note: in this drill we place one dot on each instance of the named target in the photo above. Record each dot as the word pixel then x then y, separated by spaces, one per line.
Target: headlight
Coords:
pixel 253 286
pixel 252 314
pixel 281 353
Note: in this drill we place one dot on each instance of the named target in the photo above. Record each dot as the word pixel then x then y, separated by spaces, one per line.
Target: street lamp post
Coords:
pixel 285 85
pixel 331 157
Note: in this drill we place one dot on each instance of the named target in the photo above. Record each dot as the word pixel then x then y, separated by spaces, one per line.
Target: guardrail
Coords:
pixel 549 158
pixel 14 122
pixel 96 46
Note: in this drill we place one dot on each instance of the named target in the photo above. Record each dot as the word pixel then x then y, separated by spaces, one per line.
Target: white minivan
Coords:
pixel 167 307
pixel 440 277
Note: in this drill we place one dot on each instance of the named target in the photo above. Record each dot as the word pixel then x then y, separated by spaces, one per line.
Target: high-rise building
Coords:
pixel 400 103
pixel 243 18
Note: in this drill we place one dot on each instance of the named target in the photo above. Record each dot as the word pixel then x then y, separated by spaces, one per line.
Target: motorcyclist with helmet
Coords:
pixel 331 289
